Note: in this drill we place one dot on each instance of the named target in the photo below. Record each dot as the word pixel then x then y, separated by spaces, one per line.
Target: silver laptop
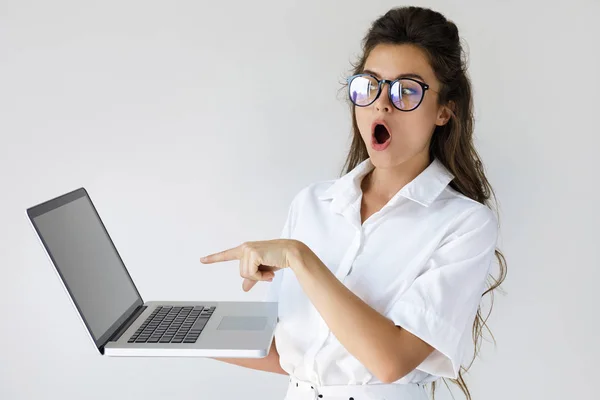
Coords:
pixel 116 317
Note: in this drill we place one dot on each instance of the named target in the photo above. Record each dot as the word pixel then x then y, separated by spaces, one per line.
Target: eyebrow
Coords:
pixel 408 75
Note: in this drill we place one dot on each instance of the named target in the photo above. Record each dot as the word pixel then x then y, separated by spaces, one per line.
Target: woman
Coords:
pixel 379 274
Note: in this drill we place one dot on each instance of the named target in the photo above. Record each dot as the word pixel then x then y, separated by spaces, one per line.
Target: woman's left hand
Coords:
pixel 258 260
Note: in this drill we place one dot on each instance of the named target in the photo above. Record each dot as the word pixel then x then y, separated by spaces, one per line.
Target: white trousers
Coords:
pixel 302 390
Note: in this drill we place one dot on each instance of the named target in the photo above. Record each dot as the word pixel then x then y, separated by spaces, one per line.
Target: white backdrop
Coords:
pixel 193 124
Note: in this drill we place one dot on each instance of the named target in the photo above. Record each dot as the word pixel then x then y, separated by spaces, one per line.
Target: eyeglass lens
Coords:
pixel 405 94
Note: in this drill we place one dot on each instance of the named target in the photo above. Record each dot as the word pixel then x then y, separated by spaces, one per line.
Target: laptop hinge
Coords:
pixel 117 335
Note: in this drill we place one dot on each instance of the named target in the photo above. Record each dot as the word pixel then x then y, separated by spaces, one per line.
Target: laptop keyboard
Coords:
pixel 170 324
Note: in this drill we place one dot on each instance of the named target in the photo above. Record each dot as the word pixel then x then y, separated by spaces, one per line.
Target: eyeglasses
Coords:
pixel 405 94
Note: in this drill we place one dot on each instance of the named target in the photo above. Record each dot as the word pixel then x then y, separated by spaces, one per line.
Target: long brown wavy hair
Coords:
pixel 452 143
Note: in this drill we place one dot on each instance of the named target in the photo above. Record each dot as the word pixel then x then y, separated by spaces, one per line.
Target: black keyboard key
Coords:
pixel 200 324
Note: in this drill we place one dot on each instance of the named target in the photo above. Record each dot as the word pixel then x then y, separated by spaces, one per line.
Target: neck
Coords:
pixel 384 183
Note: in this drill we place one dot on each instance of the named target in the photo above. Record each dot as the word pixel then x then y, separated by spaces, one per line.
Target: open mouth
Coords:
pixel 381 134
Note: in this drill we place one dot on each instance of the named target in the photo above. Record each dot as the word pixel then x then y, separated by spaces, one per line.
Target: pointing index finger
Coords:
pixel 226 255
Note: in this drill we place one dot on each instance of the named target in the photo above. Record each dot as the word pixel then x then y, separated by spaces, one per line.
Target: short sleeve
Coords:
pixel 286 233
pixel 440 305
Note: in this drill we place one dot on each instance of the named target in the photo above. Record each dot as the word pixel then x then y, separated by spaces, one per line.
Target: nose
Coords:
pixel 383 101
pixel 383 107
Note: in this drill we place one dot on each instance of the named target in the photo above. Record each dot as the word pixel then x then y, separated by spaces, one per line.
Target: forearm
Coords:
pixel 365 333
pixel 270 363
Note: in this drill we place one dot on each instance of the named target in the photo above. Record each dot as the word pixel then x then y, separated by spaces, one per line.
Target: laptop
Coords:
pixel 118 321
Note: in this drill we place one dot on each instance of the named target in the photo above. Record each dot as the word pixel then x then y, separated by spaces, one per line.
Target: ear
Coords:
pixel 444 113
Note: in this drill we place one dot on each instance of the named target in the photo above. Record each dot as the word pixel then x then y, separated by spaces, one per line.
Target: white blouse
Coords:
pixel 421 261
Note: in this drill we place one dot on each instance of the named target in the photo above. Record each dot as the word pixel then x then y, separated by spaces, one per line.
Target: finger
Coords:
pixel 248 284
pixel 269 275
pixel 254 269
pixel 227 255
pixel 266 275
pixel 244 264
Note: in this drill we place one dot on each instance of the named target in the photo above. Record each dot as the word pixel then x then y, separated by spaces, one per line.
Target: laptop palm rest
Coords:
pixel 233 323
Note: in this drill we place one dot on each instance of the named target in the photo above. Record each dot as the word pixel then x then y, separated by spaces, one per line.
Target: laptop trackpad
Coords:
pixel 243 323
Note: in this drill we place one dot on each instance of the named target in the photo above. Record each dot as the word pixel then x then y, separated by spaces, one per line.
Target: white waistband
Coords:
pixel 409 391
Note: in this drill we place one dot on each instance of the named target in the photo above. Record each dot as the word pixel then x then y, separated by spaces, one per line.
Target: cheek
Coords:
pixel 363 121
pixel 417 130
pixel 417 134
pixel 419 123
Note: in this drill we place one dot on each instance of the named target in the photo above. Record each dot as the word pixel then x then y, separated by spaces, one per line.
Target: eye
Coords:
pixel 373 86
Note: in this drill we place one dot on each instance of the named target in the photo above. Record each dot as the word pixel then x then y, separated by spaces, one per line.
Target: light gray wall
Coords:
pixel 193 124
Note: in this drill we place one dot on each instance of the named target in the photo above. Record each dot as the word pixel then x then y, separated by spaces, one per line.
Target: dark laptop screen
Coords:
pixel 87 260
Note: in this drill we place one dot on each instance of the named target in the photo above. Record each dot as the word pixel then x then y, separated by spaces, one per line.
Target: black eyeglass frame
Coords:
pixel 380 82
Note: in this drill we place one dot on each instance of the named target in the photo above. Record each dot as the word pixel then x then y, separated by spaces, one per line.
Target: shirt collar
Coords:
pixel 423 189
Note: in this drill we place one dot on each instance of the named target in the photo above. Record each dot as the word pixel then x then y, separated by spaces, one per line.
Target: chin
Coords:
pixel 387 159
pixel 390 159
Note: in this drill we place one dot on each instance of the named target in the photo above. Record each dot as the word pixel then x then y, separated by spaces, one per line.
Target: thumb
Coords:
pixel 248 284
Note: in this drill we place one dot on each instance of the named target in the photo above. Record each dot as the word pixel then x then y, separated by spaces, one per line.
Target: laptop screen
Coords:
pixel 87 261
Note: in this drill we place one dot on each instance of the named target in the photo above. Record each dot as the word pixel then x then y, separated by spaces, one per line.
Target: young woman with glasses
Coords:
pixel 380 274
